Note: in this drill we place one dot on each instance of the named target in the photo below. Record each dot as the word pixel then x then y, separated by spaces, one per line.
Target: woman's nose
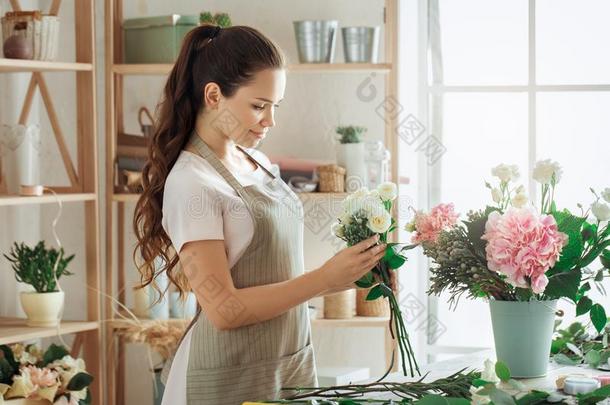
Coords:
pixel 268 119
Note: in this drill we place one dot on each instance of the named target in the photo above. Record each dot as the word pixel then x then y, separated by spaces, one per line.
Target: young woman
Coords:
pixel 216 205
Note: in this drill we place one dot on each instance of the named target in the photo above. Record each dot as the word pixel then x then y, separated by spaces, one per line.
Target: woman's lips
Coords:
pixel 259 135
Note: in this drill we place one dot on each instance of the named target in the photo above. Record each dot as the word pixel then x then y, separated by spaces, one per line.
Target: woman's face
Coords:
pixel 249 114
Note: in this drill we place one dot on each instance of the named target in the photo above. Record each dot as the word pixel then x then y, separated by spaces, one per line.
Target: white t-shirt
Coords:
pixel 198 204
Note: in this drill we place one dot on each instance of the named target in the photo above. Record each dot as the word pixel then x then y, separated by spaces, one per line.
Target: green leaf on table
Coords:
pixel 593 358
pixel 595 396
pixel 518 385
pixel 479 382
pixel 374 293
pixel 502 371
pixel 500 397
pixel 583 306
pixel 564 285
pixel 54 352
pixel 532 398
pixel 571 226
pixel 598 317
pixel 564 360
pixel 557 345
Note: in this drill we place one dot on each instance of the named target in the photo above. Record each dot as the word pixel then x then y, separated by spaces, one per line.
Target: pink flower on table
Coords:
pixel 522 243
pixel 41 377
pixel 429 226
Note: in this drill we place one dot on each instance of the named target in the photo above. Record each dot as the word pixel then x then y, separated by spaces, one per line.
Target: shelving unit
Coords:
pixel 83 185
pixel 115 238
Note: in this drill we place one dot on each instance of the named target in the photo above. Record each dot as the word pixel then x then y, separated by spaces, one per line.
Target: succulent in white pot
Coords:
pixel 350 155
pixel 41 268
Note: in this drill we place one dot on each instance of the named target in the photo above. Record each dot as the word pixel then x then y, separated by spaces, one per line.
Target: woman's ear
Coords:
pixel 212 95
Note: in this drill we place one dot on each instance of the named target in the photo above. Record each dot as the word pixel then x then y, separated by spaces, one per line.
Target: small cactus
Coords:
pixel 350 134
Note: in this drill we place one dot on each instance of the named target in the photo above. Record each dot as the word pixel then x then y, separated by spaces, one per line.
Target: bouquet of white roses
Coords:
pixel 366 213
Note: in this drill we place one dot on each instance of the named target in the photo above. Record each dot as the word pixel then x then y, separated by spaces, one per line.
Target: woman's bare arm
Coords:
pixel 206 266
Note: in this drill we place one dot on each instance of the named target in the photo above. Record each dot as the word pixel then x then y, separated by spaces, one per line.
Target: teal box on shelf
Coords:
pixel 155 39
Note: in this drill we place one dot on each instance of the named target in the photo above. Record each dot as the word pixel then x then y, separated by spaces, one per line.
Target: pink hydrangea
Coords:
pixel 522 243
pixel 429 226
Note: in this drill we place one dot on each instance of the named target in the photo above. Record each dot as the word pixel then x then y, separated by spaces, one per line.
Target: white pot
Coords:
pixel 351 157
pixel 42 309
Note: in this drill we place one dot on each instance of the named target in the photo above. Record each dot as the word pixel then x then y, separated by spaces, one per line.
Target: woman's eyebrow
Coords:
pixel 267 100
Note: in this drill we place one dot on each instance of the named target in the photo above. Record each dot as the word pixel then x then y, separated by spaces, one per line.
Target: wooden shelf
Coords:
pixel 14 330
pixel 355 322
pixel 118 323
pixel 23 65
pixel 125 197
pixel 163 69
pixel 6 200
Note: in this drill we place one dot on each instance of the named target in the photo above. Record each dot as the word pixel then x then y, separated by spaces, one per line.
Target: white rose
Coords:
pixel 606 194
pixel 369 204
pixel 519 200
pixel 505 172
pixel 337 230
pixel 489 373
pixel 544 171
pixel 379 223
pixel 601 211
pixel 387 191
pixel 345 218
pixel 496 195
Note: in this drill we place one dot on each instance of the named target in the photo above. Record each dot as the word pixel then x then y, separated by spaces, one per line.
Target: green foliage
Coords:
pixel 35 266
pixel 571 225
pixel 54 352
pixel 80 381
pixel 563 285
pixel 598 317
pixel 221 19
pixel 573 346
pixel 350 133
pixel 8 366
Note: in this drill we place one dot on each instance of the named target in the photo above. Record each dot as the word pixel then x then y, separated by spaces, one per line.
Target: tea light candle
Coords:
pixel 580 385
pixel 603 379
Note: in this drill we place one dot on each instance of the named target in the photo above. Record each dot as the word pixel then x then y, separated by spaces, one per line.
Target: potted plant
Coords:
pixel 221 19
pixel 350 155
pixel 41 268
pixel 523 259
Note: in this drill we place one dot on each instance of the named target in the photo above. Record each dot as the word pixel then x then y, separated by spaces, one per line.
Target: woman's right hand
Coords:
pixel 351 263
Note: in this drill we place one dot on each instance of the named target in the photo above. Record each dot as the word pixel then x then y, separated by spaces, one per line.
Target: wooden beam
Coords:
pixel 27 102
pixel 15 5
pixel 59 137
pixel 76 345
pixel 54 10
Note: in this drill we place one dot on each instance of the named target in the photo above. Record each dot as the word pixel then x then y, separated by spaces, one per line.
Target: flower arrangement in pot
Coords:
pixel 41 268
pixel 367 213
pixel 350 155
pixel 522 259
pixel 49 377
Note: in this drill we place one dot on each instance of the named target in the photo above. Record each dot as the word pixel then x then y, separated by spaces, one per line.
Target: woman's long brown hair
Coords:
pixel 228 57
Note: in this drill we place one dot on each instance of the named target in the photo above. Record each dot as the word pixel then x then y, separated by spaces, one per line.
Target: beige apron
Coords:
pixel 253 362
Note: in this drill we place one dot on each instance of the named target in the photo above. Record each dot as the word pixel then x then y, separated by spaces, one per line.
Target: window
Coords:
pixel 510 81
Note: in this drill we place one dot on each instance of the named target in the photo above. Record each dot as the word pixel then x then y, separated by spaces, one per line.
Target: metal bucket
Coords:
pixel 316 40
pixel 360 44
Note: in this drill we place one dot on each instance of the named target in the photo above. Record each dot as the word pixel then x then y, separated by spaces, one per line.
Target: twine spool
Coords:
pixel 339 305
pixel 378 307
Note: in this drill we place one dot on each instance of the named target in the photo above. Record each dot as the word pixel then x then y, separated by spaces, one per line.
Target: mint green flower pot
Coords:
pixel 523 332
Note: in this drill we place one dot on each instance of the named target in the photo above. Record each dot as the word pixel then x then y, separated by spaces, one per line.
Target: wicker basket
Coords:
pixel 339 305
pixel 41 30
pixel 378 307
pixel 332 178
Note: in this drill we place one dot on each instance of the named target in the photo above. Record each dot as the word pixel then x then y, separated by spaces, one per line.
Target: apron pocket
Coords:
pixel 256 381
